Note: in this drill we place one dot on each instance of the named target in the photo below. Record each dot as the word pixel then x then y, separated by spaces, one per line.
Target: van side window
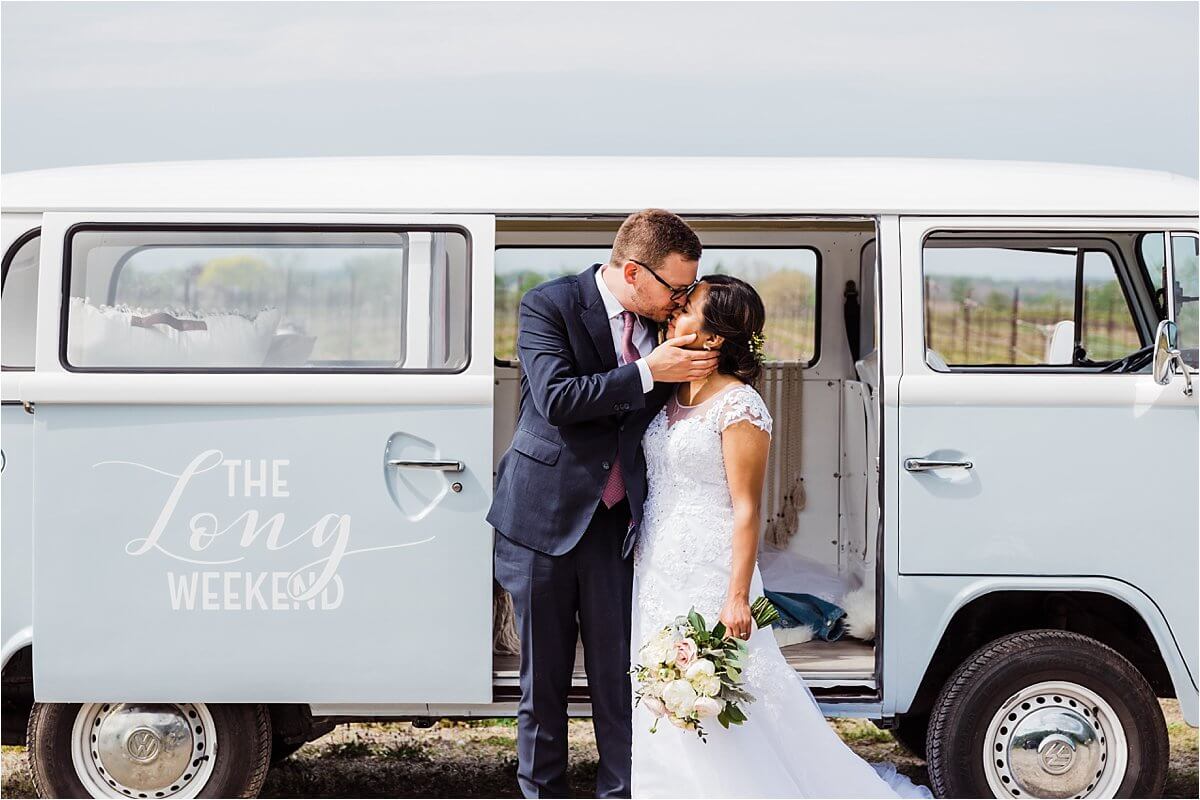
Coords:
pixel 1151 254
pixel 272 299
pixel 1025 302
pixel 785 277
pixel 18 302
pixel 1187 288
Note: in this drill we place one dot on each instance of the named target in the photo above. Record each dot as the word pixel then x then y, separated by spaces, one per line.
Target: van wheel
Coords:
pixel 1047 713
pixel 148 750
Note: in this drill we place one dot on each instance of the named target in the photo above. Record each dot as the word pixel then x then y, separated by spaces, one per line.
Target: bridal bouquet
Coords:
pixel 688 673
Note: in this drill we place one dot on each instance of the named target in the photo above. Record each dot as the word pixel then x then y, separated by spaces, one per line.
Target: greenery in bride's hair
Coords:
pixel 757 345
pixel 689 672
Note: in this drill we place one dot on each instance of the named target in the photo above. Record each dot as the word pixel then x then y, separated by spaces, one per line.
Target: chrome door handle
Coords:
pixel 443 466
pixel 926 464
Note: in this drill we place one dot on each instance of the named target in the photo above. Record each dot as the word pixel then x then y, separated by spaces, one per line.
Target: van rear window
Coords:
pixel 18 312
pixel 271 299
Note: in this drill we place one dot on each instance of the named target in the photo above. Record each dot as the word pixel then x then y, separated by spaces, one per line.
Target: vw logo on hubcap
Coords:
pixel 1057 754
pixel 143 745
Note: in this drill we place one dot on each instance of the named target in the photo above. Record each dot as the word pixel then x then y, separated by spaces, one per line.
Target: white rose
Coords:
pixel 652 654
pixel 708 686
pixel 679 696
pixel 654 706
pixel 699 667
pixel 707 707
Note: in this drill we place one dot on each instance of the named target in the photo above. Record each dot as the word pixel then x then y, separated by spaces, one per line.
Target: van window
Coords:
pixel 270 299
pixel 785 277
pixel 1187 288
pixel 519 269
pixel 1151 252
pixel 1011 304
pixel 18 302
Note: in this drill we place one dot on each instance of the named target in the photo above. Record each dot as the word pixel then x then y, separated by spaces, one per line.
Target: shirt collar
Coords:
pixel 612 306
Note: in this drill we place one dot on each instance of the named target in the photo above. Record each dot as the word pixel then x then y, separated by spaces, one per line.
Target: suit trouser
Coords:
pixel 585 593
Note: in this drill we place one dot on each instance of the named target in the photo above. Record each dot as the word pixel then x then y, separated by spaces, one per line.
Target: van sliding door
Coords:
pixel 263 458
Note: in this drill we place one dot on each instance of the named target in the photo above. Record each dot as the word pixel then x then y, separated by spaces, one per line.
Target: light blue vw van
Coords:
pixel 252 412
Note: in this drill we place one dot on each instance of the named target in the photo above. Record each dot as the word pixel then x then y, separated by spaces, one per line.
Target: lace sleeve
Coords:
pixel 743 404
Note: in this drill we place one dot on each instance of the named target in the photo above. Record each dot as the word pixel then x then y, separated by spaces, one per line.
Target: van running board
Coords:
pixel 834 693
pixel 845 668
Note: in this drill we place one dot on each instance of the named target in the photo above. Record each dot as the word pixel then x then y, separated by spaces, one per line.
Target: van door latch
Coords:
pixel 926 464
pixel 443 466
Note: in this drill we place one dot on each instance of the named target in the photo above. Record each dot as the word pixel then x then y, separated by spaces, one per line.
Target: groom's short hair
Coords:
pixel 653 234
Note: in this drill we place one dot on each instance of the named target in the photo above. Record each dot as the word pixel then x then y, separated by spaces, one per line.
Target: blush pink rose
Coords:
pixel 685 653
pixel 654 706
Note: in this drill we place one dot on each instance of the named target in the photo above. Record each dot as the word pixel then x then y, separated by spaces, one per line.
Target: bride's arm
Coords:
pixel 745 447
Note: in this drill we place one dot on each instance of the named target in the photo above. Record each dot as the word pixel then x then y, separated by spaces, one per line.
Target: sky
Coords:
pixel 1097 83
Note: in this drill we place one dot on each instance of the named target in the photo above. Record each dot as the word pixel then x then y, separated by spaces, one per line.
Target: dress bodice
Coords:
pixel 684 459
pixel 686 537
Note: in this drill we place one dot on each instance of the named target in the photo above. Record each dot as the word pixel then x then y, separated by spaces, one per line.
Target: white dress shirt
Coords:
pixel 643 338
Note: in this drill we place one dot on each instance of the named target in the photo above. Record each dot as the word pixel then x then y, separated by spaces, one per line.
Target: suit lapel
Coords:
pixel 595 318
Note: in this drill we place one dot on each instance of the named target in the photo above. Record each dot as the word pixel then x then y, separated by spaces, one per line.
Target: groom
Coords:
pixel 569 490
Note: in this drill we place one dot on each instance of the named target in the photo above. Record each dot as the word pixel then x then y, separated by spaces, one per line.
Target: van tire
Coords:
pixel 994 673
pixel 243 736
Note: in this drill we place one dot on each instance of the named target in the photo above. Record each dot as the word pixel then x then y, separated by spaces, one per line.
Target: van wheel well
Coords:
pixel 1102 617
pixel 292 724
pixel 16 695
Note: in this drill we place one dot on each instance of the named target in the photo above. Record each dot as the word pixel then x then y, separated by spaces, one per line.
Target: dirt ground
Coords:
pixel 478 759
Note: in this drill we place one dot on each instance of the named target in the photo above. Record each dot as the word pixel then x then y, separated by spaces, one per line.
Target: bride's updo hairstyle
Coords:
pixel 733 310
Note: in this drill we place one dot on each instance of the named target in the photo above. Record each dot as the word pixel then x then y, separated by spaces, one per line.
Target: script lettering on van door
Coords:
pixel 210 585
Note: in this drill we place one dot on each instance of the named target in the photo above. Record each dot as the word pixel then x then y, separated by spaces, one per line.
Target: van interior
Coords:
pixel 820 504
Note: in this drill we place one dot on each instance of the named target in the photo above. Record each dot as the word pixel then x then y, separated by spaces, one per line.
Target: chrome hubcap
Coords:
pixel 1055 739
pixel 143 750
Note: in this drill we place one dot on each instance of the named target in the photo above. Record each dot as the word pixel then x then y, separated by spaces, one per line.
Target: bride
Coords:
pixel 706 455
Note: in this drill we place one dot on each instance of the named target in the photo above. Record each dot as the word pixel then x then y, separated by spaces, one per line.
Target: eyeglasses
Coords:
pixel 676 291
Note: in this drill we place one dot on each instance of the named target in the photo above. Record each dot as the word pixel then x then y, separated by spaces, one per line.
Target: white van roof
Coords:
pixel 536 185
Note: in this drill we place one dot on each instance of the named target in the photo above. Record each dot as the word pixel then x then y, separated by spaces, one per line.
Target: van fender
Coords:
pixel 22 638
pixel 909 642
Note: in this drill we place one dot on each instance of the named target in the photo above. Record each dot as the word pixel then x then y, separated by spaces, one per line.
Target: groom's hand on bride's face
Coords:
pixel 672 363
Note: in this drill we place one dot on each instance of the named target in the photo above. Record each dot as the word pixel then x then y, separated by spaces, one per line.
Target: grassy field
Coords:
pixel 478 759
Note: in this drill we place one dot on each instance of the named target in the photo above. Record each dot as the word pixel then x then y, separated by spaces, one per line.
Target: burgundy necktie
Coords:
pixel 614 489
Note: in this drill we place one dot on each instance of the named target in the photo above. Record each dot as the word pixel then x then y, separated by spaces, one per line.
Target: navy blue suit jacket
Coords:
pixel 578 411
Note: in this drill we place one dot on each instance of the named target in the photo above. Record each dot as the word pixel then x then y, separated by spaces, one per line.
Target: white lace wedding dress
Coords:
pixel 683 557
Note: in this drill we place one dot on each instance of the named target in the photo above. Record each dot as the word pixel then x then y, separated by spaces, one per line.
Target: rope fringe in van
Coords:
pixel 783 390
pixel 505 640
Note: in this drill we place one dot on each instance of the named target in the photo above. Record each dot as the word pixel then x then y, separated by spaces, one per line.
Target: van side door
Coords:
pixel 263 458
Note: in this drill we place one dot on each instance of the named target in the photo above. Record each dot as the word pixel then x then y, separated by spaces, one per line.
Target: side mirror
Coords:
pixel 1166 353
